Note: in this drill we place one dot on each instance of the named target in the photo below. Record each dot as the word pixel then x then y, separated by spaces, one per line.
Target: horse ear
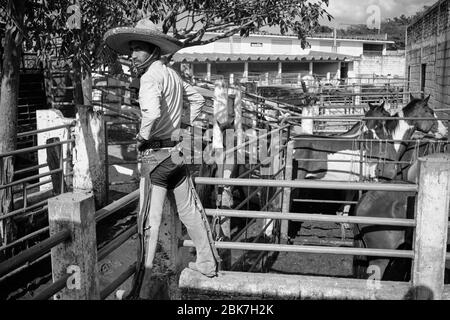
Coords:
pixel 411 97
pixel 371 106
pixel 382 104
pixel 427 98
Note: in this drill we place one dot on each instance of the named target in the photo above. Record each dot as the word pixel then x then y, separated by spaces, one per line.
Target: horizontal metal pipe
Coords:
pixel 29 133
pixel 23 210
pixel 232 150
pixel 28 236
pixel 116 205
pixel 21 181
pixel 23 267
pixel 31 149
pixel 52 289
pixel 375 141
pixel 309 249
pixel 118 281
pixel 34 252
pixel 339 118
pixel 116 242
pixel 325 201
pixel 311 184
pixel 312 217
pixel 112 123
pixel 123 162
pixel 119 183
pixel 31 168
pixel 121 143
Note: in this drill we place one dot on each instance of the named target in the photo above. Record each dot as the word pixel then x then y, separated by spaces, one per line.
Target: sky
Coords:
pixel 354 11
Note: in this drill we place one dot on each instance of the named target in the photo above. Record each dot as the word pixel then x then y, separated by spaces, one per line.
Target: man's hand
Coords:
pixel 141 143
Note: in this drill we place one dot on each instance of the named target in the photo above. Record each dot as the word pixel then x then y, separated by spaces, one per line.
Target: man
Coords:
pixel 161 95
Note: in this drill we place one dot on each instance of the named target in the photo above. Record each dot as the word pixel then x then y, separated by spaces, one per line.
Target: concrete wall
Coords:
pixel 270 44
pixel 429 43
pixel 380 65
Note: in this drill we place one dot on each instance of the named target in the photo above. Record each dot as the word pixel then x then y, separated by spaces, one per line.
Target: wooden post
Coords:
pixel 287 191
pixel 75 212
pixel 208 71
pixel 430 240
pixel 89 154
pixel 245 71
pixel 221 117
pixel 238 127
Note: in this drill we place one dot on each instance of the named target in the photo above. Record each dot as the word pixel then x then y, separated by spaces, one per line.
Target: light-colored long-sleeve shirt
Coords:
pixel 161 95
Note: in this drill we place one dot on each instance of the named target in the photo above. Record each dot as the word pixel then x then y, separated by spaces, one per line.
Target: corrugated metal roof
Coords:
pixel 224 57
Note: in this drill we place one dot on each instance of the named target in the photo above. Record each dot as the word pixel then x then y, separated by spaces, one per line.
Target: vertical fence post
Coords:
pixel 287 191
pixel 430 240
pixel 75 212
pixel 224 193
pixel 89 154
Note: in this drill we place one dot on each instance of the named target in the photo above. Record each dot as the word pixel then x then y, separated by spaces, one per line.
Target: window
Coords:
pixel 372 49
pixel 409 78
pixel 423 76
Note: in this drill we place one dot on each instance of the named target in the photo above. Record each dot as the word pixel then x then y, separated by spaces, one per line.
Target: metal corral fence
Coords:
pixel 74 258
pixel 428 254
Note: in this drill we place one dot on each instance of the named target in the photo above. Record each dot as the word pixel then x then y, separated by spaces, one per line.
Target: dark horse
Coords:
pixel 397 204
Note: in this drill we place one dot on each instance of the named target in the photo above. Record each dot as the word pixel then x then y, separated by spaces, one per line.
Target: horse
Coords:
pixel 313 159
pixel 398 204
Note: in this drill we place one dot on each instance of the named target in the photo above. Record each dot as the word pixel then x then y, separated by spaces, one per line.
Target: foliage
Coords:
pixel 46 30
pixel 395 28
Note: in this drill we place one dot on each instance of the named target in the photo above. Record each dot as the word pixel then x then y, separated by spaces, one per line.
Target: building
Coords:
pixel 428 54
pixel 268 56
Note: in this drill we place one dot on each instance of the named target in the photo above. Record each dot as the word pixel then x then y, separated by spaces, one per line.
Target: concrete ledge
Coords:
pixel 295 286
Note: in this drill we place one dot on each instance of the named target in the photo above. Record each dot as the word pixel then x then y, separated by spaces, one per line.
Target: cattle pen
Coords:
pixel 72 215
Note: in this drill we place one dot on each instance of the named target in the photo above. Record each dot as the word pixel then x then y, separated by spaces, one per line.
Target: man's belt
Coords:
pixel 156 144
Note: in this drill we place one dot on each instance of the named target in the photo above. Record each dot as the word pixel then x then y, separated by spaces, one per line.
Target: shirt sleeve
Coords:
pixel 150 104
pixel 196 100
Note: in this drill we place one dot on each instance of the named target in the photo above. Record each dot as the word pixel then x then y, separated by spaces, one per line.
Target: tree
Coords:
pixel 8 107
pixel 72 31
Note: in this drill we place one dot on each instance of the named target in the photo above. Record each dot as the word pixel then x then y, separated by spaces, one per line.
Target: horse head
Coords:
pixel 377 126
pixel 418 108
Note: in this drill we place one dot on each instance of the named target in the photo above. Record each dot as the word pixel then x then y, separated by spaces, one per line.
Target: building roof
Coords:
pixel 227 57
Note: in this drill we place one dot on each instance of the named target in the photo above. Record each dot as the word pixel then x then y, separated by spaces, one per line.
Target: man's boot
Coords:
pixel 191 217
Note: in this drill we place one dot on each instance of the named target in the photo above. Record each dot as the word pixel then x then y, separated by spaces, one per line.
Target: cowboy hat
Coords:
pixel 118 39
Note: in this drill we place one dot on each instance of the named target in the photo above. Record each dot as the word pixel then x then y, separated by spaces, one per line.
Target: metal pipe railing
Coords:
pixel 312 217
pixel 52 289
pixel 30 133
pixel 23 210
pixel 33 252
pixel 27 237
pixel 31 149
pixel 312 184
pixel 309 249
pixel 116 242
pixel 116 206
pixel 118 281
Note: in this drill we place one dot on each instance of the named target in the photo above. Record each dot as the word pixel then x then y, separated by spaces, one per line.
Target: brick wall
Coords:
pixel 429 43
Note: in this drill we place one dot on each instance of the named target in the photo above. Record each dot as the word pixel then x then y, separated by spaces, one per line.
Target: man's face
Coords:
pixel 140 51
